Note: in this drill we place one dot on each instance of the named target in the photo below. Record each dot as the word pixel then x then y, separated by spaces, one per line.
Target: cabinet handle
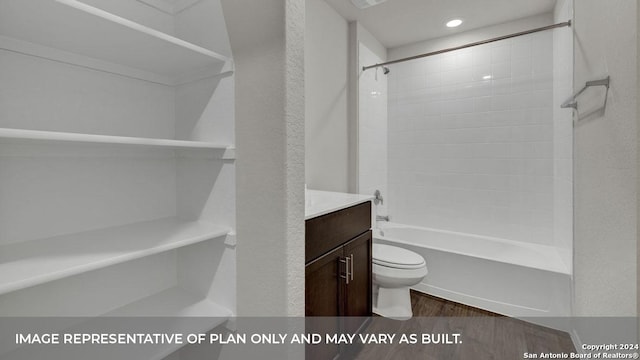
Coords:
pixel 351 263
pixel 348 268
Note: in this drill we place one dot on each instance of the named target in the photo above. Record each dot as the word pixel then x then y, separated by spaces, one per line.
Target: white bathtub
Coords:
pixel 507 277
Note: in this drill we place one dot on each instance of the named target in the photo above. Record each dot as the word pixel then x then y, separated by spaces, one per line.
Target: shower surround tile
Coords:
pixel 471 140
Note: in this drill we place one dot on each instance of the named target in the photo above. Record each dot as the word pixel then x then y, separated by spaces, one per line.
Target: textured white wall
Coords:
pixel 327 128
pixel 267 40
pixel 606 160
pixel 471 139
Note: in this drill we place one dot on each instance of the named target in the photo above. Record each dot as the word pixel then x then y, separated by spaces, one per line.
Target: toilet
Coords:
pixel 394 270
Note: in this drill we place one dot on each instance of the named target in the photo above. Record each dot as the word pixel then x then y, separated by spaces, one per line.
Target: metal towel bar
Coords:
pixel 573 103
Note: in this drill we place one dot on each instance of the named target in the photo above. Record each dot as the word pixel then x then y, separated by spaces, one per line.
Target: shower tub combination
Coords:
pixel 507 277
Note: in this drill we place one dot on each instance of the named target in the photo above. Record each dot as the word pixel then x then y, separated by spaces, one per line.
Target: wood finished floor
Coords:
pixel 485 335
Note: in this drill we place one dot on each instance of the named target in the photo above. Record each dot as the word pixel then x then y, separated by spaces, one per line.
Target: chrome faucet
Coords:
pixel 378 198
pixel 383 218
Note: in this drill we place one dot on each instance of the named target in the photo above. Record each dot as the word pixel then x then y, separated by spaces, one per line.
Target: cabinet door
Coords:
pixel 358 291
pixel 323 293
pixel 323 285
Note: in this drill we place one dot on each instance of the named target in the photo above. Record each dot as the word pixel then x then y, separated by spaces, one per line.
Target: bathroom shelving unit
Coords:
pixel 117 172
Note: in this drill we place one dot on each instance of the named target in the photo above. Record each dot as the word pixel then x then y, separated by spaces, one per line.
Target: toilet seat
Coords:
pixel 396 257
pixel 395 270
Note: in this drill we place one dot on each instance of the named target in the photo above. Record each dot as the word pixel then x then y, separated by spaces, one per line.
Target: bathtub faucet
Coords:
pixel 383 218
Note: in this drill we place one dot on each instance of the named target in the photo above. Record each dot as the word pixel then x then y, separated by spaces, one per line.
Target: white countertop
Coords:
pixel 323 202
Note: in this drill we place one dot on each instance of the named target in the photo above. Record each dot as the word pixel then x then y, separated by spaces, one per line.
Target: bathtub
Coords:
pixel 507 277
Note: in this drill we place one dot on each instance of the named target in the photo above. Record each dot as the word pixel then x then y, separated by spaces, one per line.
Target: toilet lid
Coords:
pixel 396 257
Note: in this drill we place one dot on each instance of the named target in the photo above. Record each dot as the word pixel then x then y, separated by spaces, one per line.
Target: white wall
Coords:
pixel 368 40
pixel 371 117
pixel 372 128
pixel 474 154
pixel 606 160
pixel 361 39
pixel 267 39
pixel 326 121
pixel 563 134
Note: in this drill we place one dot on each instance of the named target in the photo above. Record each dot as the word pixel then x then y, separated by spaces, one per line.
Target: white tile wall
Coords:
pixel 471 140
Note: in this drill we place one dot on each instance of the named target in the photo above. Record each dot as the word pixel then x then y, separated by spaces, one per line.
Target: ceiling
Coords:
pixel 401 22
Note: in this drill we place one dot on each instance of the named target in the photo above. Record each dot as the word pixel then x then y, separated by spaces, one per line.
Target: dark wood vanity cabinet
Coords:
pixel 338 273
pixel 323 285
pixel 357 295
pixel 339 283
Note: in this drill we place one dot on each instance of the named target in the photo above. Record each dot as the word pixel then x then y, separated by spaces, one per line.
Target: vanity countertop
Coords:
pixel 323 202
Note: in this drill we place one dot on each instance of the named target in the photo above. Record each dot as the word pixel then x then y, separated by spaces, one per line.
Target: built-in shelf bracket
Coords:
pixel 230 240
pixel 572 102
pixel 229 154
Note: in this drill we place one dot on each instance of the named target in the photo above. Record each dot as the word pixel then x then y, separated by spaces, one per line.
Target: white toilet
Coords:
pixel 394 270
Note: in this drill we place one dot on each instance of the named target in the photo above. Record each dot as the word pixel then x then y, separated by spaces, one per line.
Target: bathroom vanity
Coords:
pixel 338 263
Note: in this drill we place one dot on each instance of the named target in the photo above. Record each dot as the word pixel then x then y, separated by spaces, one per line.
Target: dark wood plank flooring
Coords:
pixel 485 335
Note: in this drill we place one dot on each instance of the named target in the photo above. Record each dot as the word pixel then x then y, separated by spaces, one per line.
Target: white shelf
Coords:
pixel 21 135
pixel 35 262
pixel 172 303
pixel 173 311
pixel 78 28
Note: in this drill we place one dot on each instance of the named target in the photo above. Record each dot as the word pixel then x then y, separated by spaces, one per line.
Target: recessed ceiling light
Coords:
pixel 454 23
pixel 363 4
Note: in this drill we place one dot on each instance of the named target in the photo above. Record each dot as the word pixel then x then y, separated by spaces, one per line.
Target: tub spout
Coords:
pixel 382 218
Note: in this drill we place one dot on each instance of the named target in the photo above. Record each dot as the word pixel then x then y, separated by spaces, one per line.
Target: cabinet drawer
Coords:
pixel 334 229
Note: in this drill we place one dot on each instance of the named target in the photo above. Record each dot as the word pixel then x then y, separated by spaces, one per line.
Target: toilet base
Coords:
pixel 393 303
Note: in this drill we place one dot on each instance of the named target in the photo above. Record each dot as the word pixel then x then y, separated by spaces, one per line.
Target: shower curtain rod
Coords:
pixel 548 27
